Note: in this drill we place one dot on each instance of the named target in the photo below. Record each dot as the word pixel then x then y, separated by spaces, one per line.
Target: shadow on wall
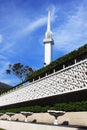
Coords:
pixel 34 121
pixel 65 123
pixel 82 128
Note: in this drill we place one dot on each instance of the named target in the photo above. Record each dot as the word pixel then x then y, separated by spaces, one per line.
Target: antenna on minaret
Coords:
pixel 48 42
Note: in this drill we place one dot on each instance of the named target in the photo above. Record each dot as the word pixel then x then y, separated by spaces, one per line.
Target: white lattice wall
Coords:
pixel 69 79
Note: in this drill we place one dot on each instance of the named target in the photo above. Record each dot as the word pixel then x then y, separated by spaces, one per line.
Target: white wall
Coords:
pixel 9 125
pixel 69 79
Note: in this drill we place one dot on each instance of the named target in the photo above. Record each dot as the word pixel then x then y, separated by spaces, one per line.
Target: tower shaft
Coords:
pixel 48 54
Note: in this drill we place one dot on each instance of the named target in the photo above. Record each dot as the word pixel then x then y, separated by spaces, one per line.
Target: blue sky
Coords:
pixel 23 27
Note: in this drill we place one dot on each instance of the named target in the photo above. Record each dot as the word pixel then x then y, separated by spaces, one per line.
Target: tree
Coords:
pixel 19 70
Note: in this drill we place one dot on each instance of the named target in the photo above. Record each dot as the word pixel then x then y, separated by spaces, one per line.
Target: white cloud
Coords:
pixel 9 79
pixel 3 67
pixel 54 11
pixel 36 23
pixel 2 57
pixel 72 33
pixel 7 48
pixel 1 38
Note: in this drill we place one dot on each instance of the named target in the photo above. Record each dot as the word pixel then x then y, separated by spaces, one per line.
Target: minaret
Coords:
pixel 48 42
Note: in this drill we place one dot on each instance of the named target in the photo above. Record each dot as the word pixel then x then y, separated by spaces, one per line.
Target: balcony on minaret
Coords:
pixel 48 38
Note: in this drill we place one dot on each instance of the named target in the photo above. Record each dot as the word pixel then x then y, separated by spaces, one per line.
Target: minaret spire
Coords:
pixel 48 41
pixel 48 32
pixel 48 25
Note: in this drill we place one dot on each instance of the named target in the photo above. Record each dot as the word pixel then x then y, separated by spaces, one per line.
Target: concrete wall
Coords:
pixel 70 118
pixel 9 125
pixel 75 118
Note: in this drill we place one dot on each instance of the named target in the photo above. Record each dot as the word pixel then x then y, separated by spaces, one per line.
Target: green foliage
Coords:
pixel 71 106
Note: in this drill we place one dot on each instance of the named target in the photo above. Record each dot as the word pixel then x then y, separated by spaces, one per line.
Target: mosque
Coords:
pixel 62 80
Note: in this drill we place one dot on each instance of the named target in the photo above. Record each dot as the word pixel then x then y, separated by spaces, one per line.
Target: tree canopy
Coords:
pixel 19 70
